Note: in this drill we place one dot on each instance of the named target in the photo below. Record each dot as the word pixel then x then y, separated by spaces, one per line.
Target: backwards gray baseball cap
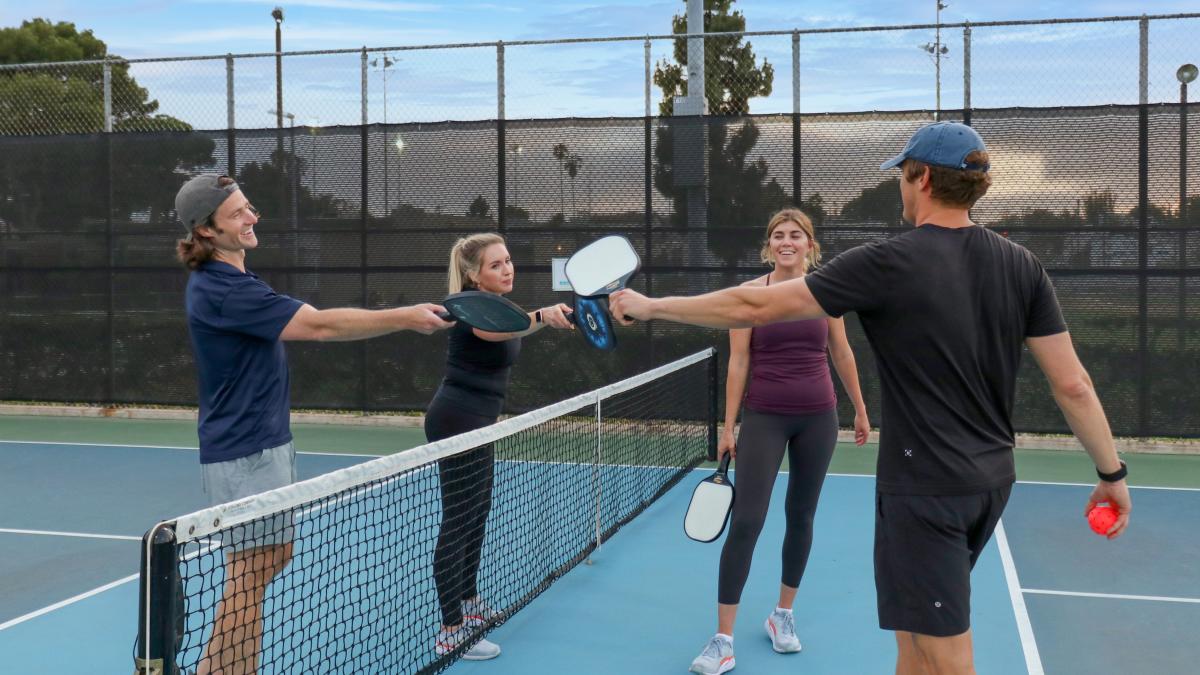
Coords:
pixel 944 144
pixel 200 197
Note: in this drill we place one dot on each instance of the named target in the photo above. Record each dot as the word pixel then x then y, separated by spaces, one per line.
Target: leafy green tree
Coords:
pixel 68 99
pixel 479 208
pixel 62 182
pixel 740 195
pixel 877 204
pixel 262 182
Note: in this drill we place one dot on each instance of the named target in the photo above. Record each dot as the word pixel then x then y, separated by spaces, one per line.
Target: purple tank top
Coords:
pixel 789 370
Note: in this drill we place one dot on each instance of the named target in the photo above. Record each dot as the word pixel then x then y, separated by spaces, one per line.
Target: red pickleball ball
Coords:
pixel 1102 517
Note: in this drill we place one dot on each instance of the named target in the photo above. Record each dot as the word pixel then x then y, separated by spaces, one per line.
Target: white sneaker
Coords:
pixel 781 628
pixel 449 640
pixel 716 658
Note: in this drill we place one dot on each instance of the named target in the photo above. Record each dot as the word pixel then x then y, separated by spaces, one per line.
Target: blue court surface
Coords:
pixel 1049 596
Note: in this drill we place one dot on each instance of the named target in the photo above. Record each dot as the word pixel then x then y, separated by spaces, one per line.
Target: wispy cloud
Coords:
pixel 357 5
pixel 602 20
pixel 492 7
pixel 344 36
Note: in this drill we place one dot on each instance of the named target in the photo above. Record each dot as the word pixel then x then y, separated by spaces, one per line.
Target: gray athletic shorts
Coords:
pixel 245 476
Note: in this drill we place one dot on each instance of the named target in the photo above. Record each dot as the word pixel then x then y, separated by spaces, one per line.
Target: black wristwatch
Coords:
pixel 1115 476
pixel 537 317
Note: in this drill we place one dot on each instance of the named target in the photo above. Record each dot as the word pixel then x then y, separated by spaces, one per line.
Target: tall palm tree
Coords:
pixel 560 153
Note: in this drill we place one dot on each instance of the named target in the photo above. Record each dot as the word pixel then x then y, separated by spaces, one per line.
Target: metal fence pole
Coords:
pixel 1143 421
pixel 1184 222
pixel 647 180
pixel 967 75
pixel 501 155
pixel 108 117
pixel 362 231
pixel 796 199
pixel 111 380
pixel 230 121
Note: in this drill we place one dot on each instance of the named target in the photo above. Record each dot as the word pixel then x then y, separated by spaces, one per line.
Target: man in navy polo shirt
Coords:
pixel 947 307
pixel 237 325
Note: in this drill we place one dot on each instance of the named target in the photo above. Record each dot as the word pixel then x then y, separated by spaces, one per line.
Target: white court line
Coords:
pixel 1131 487
pixel 1110 596
pixel 68 601
pixel 172 447
pixel 1033 660
pixel 1020 482
pixel 83 535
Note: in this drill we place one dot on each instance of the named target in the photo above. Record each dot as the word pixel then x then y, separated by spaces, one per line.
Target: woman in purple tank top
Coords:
pixel 790 406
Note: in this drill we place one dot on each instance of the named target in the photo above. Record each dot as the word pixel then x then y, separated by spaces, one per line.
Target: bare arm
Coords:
pixel 348 323
pixel 1076 397
pixel 740 307
pixel 554 315
pixel 735 387
pixel 847 369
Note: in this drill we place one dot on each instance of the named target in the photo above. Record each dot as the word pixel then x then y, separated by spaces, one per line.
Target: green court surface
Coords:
pixel 1151 470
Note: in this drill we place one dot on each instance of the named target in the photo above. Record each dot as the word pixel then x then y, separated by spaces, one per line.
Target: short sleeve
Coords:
pixel 858 280
pixel 254 308
pixel 1044 316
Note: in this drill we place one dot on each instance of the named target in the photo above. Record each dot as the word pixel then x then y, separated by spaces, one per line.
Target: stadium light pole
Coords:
pixel 1186 74
pixel 936 51
pixel 277 14
pixel 400 145
pixel 516 150
pixel 382 64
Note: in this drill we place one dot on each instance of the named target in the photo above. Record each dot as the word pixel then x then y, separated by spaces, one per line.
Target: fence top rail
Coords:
pixel 627 38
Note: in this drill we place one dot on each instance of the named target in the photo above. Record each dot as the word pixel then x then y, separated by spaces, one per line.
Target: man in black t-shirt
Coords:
pixel 946 307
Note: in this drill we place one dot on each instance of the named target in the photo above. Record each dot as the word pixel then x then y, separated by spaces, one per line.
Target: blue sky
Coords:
pixel 142 28
pixel 135 28
pixel 888 69
pixel 1062 65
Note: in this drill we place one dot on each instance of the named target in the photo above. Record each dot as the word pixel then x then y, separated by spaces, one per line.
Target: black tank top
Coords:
pixel 477 371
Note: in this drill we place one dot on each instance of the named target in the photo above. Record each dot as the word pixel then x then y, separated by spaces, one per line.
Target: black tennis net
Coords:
pixel 343 566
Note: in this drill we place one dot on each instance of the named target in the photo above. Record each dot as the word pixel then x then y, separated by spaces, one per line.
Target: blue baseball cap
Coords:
pixel 944 144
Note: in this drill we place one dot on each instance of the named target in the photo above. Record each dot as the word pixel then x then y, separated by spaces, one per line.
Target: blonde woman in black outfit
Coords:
pixel 471 396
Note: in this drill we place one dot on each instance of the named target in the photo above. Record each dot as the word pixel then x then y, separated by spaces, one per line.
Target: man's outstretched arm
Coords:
pixel 737 307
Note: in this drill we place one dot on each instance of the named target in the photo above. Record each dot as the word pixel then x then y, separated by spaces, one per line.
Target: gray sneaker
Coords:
pixel 449 640
pixel 781 628
pixel 716 658
pixel 478 612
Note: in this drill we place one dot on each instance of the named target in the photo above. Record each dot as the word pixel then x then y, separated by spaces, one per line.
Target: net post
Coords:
pixel 159 604
pixel 713 380
pixel 599 482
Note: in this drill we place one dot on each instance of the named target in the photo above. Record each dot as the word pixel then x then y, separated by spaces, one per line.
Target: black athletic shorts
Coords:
pixel 925 549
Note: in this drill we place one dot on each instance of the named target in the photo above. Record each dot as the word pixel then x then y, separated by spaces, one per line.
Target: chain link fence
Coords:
pixel 1114 60
pixel 556 144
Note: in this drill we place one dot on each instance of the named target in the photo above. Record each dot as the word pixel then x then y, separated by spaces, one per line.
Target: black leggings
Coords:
pixel 466 482
pixel 810 440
